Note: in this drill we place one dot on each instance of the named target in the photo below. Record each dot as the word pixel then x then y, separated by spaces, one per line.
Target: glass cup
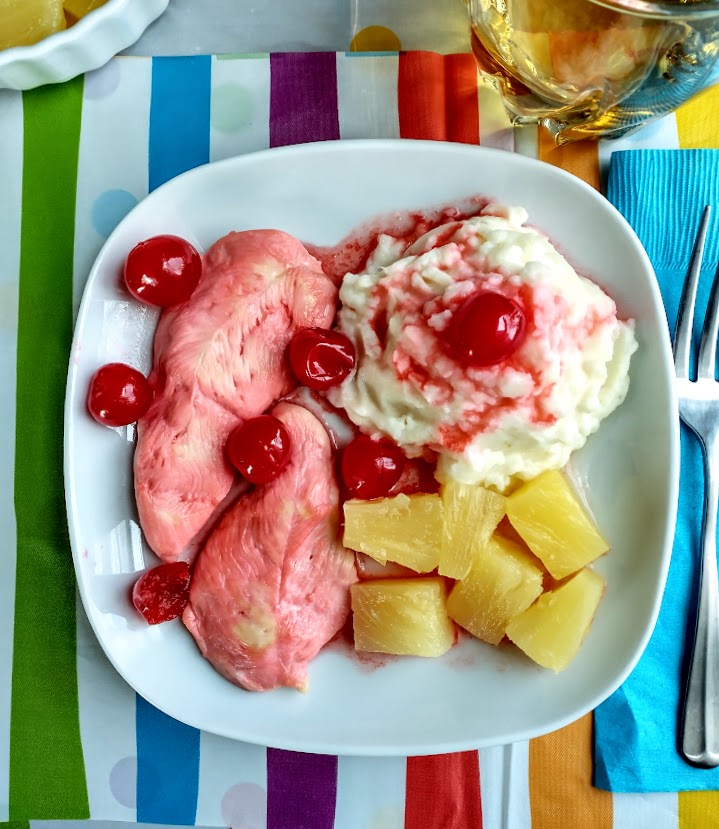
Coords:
pixel 594 68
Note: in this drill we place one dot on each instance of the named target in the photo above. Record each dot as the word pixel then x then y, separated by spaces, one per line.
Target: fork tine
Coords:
pixel 708 345
pixel 685 315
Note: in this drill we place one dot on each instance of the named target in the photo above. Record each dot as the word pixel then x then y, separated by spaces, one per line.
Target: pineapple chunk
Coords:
pixel 23 22
pixel 368 568
pixel 554 525
pixel 406 529
pixel 79 8
pixel 402 616
pixel 471 515
pixel 551 630
pixel 503 582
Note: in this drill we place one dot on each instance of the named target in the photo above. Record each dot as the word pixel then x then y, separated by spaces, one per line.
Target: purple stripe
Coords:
pixel 301 790
pixel 303 98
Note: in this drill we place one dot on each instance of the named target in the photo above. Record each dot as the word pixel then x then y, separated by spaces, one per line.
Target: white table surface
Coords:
pixel 191 27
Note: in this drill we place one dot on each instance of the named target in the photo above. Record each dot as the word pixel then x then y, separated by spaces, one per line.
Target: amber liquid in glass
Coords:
pixel 586 71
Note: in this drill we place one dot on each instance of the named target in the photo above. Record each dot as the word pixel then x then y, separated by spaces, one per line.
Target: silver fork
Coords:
pixel 699 409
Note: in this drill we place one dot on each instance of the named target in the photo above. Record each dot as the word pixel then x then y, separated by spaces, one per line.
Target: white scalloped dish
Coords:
pixel 85 46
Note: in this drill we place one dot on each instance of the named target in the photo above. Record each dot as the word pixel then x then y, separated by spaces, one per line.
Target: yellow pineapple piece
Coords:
pixel 551 630
pixel 471 515
pixel 402 616
pixel 406 529
pixel 23 22
pixel 503 582
pixel 368 568
pixel 555 525
pixel 79 8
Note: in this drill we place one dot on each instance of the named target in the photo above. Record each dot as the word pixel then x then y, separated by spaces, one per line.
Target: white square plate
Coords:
pixel 476 695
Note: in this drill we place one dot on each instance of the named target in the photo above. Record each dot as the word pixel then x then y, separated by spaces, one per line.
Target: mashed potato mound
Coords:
pixel 493 424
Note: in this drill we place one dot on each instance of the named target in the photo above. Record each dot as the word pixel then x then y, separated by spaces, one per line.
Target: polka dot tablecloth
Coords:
pixel 74 159
pixel 375 39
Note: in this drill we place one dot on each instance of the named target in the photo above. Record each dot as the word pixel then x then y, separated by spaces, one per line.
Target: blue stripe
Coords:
pixel 168 752
pixel 179 116
pixel 168 767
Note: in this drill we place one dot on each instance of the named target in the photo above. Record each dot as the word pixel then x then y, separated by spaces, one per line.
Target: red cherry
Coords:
pixel 260 448
pixel 486 329
pixel 118 395
pixel 162 593
pixel 371 468
pixel 163 270
pixel 321 358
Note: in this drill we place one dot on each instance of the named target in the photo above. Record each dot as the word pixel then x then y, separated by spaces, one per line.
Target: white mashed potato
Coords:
pixel 493 424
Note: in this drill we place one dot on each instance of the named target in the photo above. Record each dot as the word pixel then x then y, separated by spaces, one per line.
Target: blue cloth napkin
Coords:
pixel 662 194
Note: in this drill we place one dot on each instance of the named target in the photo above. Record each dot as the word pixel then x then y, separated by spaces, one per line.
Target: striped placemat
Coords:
pixel 73 160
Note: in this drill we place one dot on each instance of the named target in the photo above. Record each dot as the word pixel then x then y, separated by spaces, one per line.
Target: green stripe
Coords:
pixel 47 773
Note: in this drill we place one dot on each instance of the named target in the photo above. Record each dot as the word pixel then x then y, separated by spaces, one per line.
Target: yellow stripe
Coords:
pixel 560 781
pixel 580 158
pixel 699 810
pixel 698 121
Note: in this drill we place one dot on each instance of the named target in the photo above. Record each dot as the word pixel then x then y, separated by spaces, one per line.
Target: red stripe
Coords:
pixel 462 107
pixel 437 97
pixel 443 792
pixel 420 93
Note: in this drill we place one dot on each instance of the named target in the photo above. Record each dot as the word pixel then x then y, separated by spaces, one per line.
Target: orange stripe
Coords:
pixel 443 792
pixel 560 781
pixel 580 158
pixel 698 810
pixel 437 97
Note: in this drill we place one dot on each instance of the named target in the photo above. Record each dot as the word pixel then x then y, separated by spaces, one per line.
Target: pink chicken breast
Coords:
pixel 270 586
pixel 219 359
